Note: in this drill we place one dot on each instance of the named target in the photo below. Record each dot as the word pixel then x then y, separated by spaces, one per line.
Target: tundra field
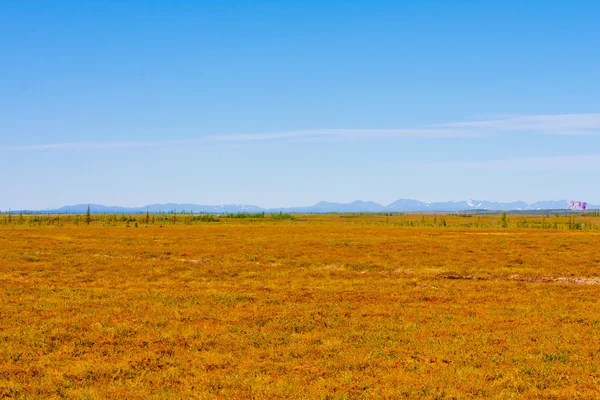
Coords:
pixel 303 306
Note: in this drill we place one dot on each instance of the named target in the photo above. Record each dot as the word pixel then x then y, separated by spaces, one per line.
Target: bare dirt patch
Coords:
pixel 572 280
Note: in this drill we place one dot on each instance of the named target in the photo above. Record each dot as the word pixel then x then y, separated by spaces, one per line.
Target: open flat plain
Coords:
pixel 314 306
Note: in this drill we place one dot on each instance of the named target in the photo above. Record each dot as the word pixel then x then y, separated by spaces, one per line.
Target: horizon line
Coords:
pixel 91 205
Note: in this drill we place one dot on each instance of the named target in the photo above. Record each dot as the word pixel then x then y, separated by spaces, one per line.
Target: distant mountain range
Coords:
pixel 402 205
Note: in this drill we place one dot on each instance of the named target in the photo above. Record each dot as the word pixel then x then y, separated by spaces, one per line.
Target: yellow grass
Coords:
pixel 318 307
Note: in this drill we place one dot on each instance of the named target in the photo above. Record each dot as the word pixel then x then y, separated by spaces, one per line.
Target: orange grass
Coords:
pixel 320 307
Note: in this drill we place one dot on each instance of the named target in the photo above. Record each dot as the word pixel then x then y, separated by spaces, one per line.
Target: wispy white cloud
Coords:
pixel 585 162
pixel 301 134
pixel 558 124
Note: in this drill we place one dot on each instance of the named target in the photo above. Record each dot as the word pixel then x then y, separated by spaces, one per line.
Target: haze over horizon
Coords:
pixel 357 206
pixel 289 104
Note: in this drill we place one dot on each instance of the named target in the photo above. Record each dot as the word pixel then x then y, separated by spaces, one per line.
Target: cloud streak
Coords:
pixel 557 124
pixel 301 134
pixel 557 163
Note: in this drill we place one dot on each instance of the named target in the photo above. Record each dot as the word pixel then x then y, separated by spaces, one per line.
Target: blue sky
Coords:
pixel 281 103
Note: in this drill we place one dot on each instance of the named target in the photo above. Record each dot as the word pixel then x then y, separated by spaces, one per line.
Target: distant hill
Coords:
pixel 401 205
pixel 156 208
